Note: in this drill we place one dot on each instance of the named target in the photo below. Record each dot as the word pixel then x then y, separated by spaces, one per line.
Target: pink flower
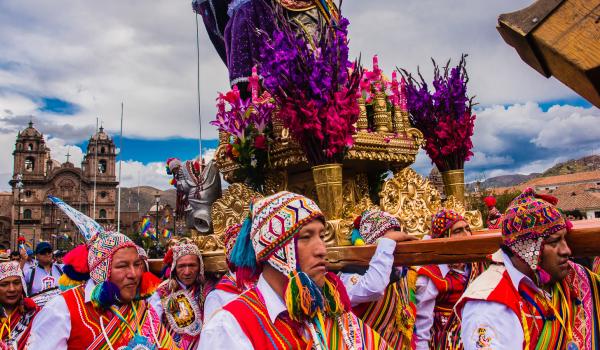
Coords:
pixel 260 142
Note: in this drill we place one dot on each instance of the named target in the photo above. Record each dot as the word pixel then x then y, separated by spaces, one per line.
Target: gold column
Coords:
pixel 382 119
pixel 363 123
pixel 398 120
pixel 328 182
pixel 454 183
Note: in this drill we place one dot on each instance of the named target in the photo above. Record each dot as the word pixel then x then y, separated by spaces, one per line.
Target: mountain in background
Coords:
pixel 572 166
pixel 146 198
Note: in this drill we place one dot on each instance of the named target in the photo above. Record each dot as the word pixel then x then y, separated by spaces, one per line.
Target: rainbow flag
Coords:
pixel 166 233
pixel 145 227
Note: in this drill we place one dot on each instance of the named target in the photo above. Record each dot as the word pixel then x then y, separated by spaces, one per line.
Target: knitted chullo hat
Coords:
pixel 12 269
pixel 182 249
pixel 98 252
pixel 443 221
pixel 372 225
pixel 529 219
pixel 229 238
pixel 269 236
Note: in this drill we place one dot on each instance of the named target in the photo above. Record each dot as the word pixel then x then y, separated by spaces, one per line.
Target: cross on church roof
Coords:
pixel 68 154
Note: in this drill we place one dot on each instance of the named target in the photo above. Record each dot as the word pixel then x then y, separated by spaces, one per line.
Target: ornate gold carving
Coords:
pixel 473 217
pixel 275 181
pixel 363 122
pixel 232 207
pixel 381 118
pixel 412 199
pixel 209 243
pixel 398 120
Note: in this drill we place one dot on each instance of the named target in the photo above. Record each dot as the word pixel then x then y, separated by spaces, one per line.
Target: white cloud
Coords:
pixel 153 174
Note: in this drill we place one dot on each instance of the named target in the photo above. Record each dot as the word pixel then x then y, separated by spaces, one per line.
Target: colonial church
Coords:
pixel 90 188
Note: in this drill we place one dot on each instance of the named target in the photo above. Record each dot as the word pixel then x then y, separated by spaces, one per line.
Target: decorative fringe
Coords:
pixel 148 285
pixel 65 282
pixel 356 238
pixel 543 276
pixel 70 271
pixel 243 256
pixel 29 304
pixel 336 298
pixel 78 259
pixel 105 295
pixel 303 297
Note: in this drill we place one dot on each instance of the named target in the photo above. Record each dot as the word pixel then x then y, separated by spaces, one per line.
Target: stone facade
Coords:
pixel 42 176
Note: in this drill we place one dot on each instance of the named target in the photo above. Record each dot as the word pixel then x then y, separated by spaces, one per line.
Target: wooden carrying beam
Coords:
pixel 559 38
pixel 584 240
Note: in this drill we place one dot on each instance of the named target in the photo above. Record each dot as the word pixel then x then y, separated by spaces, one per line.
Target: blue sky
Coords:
pixel 64 64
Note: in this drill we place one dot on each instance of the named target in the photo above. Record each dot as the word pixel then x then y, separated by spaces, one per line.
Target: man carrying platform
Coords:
pixel 109 311
pixel 533 297
pixel 439 287
pixel 380 293
pixel 16 310
pixel 226 288
pixel 179 300
pixel 296 303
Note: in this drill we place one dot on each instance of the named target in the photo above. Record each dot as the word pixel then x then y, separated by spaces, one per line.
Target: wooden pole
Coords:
pixel 584 240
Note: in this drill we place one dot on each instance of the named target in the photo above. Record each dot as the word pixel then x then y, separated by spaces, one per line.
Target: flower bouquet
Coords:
pixel 247 124
pixel 317 91
pixel 311 81
pixel 446 120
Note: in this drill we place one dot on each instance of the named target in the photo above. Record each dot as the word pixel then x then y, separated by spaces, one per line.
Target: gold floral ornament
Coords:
pixel 472 217
pixel 412 199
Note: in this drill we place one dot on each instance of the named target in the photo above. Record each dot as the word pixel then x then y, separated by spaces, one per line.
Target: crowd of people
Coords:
pixel 279 294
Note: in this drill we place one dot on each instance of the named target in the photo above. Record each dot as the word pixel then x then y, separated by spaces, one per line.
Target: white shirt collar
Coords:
pixel 515 275
pixel 444 269
pixel 87 291
pixel 273 301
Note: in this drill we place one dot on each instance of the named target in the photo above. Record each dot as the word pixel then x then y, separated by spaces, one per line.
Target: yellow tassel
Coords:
pixel 65 283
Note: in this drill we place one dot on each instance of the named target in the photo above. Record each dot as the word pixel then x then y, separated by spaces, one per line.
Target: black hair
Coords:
pixel 507 250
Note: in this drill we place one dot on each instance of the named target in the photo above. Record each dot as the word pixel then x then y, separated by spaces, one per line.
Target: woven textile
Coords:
pixel 375 223
pixel 443 221
pixel 12 269
pixel 275 221
pixel 527 222
pixel 229 239
pixel 101 251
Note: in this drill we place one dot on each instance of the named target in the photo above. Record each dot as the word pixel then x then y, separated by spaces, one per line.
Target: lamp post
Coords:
pixel 19 186
pixel 57 233
pixel 157 200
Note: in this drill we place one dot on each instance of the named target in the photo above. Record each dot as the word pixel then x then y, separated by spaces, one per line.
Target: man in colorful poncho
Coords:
pixel 226 289
pixel 109 311
pixel 296 303
pixel 439 287
pixel 379 294
pixel 534 297
pixel 16 311
pixel 179 300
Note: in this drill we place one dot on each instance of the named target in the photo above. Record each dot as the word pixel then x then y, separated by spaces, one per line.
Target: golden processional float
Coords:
pixel 264 147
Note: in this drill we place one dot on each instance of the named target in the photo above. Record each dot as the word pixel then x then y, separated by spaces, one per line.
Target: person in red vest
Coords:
pixel 16 310
pixel 296 303
pixel 226 288
pixel 379 293
pixel 533 297
pixel 494 216
pixel 108 311
pixel 439 287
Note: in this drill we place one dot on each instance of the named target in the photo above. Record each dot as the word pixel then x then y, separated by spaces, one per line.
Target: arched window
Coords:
pixel 102 166
pixel 29 164
pixel 102 150
pixel 27 214
pixel 103 194
pixel 102 214
pixel 30 147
